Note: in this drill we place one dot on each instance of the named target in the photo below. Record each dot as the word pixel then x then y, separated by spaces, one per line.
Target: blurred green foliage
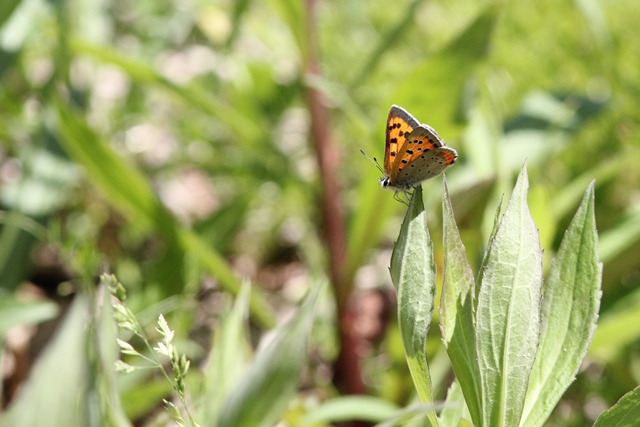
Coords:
pixel 168 142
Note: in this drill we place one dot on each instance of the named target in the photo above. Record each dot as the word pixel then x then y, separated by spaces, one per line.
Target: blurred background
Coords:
pixel 187 145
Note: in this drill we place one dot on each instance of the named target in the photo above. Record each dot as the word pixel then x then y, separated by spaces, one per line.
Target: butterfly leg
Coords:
pixel 398 198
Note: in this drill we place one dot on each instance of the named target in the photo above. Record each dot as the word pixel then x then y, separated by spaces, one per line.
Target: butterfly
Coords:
pixel 413 152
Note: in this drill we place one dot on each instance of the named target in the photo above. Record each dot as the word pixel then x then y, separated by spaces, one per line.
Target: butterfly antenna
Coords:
pixel 374 161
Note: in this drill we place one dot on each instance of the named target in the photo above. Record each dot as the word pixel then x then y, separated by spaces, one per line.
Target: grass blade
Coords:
pixel 128 191
pixel 55 394
pixel 230 349
pixel 262 396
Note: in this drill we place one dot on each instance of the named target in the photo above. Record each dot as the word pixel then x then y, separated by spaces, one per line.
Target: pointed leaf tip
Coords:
pixel 569 312
pixel 457 323
pixel 508 310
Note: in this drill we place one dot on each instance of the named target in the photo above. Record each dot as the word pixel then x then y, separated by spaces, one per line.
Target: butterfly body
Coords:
pixel 413 152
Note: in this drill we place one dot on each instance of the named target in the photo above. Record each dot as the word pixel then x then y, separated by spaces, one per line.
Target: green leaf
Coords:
pixel 230 350
pixel 492 236
pixel 455 409
pixel 413 272
pixel 263 394
pixel 55 394
pixel 346 408
pixel 457 312
pixel 8 6
pixel 508 313
pixel 625 413
pixel 15 311
pixel 569 311
pixel 413 416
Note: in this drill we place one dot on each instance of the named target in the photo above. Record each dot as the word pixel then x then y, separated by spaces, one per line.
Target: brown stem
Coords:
pixel 347 367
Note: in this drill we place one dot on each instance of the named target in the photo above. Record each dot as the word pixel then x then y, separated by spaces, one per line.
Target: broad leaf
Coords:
pixel 413 272
pixel 625 413
pixel 508 313
pixel 569 311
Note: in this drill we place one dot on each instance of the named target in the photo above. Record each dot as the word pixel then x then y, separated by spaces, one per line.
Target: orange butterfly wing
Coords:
pixel 413 152
pixel 399 124
pixel 425 154
pixel 422 139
